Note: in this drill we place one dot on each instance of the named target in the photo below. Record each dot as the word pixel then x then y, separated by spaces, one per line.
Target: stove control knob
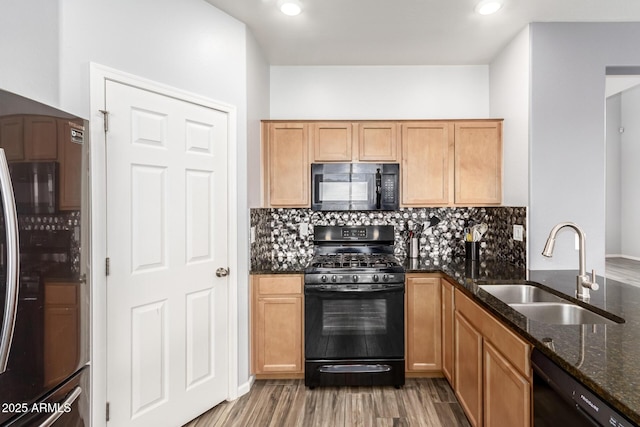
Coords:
pixel 355 278
pixel 334 278
pixel 375 278
pixel 323 278
pixel 385 278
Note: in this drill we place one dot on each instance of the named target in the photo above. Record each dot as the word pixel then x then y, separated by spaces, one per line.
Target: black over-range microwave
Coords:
pixel 354 186
pixel 35 186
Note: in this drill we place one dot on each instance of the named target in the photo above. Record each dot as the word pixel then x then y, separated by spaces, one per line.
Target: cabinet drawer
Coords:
pixel 510 345
pixel 60 294
pixel 279 284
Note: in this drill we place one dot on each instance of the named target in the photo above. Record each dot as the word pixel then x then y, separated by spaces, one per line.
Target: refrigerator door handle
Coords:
pixel 63 408
pixel 13 262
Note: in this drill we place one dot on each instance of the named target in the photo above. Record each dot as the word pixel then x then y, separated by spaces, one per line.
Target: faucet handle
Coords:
pixel 593 284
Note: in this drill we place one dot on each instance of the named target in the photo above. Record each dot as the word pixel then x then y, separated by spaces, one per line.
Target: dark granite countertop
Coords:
pixel 606 358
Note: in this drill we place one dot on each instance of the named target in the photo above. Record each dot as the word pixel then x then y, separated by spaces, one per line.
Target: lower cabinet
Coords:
pixel 423 324
pixel 492 377
pixel 277 325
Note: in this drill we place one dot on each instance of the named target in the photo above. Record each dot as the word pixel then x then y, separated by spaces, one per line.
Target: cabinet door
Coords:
pixel 447 330
pixel 279 335
pixel 277 319
pixel 332 141
pixel 507 394
pixel 70 158
pixel 423 327
pixel 377 142
pixel 427 153
pixel 287 165
pixel 468 369
pixel 40 138
pixel 478 162
pixel 12 137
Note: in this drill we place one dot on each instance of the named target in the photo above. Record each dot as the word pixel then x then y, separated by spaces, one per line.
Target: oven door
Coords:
pixel 351 324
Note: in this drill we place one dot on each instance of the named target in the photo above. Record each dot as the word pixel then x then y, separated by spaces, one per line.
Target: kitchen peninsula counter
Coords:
pixel 606 358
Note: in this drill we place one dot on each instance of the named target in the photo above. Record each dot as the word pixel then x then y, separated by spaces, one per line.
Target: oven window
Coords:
pixel 349 317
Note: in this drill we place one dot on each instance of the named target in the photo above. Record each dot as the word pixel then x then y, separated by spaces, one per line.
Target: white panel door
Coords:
pixel 167 332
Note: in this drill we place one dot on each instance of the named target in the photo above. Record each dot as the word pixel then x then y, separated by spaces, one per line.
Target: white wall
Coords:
pixel 29 44
pixel 567 175
pixel 509 74
pixel 379 92
pixel 630 173
pixel 613 245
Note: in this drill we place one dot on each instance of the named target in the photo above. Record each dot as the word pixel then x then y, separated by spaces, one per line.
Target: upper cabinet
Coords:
pixel 427 168
pixel 478 162
pixel 286 167
pixel 443 163
pixel 332 142
pixel 354 142
pixel 378 142
pixel 70 158
pixel 452 163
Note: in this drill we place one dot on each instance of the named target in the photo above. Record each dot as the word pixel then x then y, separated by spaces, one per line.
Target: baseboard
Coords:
pixel 633 258
pixel 246 387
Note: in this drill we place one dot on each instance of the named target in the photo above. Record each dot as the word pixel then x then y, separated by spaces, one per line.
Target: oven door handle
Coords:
pixel 355 290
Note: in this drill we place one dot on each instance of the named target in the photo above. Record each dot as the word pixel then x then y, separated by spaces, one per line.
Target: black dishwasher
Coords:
pixel 561 400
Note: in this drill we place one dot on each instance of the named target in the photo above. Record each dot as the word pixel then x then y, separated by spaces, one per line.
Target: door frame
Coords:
pixel 98 75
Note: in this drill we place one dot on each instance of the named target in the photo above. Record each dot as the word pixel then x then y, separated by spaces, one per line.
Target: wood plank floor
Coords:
pixel 283 403
pixel 623 270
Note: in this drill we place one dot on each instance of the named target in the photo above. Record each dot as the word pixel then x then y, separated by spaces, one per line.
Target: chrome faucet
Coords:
pixel 583 282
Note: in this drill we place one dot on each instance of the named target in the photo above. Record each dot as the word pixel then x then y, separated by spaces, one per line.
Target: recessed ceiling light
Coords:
pixel 488 7
pixel 290 7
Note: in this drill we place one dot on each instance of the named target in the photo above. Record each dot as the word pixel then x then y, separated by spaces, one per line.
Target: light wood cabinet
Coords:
pixel 286 164
pixel 448 330
pixel 70 173
pixel 277 325
pixel 427 163
pixel 478 162
pixel 492 368
pixel 423 324
pixel 378 141
pixel 61 330
pixel 332 141
pixel 451 163
pixel 507 393
pixel 468 366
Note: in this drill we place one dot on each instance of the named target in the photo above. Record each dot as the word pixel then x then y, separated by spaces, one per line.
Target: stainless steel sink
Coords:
pixel 560 313
pixel 516 293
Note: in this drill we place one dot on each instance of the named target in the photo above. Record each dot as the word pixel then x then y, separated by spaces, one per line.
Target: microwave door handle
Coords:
pixel 13 262
pixel 378 189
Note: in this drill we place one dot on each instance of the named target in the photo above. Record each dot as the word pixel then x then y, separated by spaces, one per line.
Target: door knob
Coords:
pixel 222 272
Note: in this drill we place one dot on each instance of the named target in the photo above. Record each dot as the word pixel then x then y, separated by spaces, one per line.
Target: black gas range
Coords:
pixel 354 308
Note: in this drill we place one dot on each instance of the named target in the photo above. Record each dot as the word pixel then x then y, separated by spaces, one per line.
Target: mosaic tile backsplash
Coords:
pixel 280 246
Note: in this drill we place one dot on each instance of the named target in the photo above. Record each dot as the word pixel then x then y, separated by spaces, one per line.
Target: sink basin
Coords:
pixel 560 313
pixel 514 293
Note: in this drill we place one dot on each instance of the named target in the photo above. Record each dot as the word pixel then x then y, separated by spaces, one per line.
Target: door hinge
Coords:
pixel 107 412
pixel 105 114
pixel 107 266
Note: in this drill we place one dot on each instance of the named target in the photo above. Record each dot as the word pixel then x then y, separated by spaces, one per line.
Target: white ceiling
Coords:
pixel 405 32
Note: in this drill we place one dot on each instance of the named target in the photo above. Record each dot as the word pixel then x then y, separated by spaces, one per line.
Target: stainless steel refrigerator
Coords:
pixel 44 248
